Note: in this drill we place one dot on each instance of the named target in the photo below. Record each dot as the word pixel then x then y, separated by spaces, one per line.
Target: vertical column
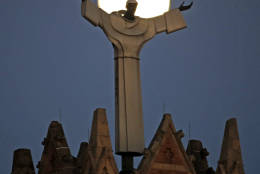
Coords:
pixel 128 103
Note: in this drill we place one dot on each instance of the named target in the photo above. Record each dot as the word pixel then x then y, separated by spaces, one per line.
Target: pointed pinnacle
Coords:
pixel 56 151
pixel 231 157
pixel 100 137
pixel 22 162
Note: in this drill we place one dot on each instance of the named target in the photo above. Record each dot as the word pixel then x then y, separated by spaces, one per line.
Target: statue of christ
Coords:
pixel 128 33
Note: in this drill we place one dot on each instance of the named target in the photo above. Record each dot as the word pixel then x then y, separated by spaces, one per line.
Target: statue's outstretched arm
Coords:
pixel 91 12
pixel 169 22
pixel 172 20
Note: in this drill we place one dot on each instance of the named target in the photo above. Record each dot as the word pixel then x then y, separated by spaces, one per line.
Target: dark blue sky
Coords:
pixel 51 58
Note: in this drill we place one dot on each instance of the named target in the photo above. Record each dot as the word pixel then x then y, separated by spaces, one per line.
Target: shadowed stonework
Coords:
pixel 165 154
pixel 198 156
pixel 22 162
pixel 56 156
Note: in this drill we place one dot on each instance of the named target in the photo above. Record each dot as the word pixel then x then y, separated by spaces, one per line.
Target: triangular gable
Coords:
pixel 166 154
pixel 56 156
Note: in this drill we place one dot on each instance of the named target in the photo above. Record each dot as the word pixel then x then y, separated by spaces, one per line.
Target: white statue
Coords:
pixel 128 33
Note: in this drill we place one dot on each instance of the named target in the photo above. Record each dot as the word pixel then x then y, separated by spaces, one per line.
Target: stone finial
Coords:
pixel 84 158
pixel 166 153
pixel 230 161
pixel 82 151
pixel 198 156
pixel 56 156
pixel 22 162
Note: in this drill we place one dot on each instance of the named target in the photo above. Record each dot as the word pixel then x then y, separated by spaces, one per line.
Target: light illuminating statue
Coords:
pixel 128 33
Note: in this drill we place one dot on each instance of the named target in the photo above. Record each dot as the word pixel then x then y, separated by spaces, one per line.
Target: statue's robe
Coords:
pixel 128 38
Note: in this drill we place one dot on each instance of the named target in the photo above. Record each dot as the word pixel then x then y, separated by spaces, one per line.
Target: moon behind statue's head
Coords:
pixel 145 8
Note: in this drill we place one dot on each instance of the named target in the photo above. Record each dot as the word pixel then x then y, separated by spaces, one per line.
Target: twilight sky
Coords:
pixel 51 59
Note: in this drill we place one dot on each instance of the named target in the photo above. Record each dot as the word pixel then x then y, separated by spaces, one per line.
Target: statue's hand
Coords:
pixel 183 7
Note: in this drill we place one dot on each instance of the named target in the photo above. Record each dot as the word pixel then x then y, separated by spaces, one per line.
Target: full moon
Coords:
pixel 145 8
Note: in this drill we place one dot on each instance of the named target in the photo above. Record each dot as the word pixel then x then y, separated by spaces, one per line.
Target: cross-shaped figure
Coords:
pixel 128 33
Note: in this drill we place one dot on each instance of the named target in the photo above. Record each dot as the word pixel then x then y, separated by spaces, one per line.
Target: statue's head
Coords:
pixel 131 6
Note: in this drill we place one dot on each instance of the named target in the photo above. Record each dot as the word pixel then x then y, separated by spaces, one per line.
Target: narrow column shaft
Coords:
pixel 128 105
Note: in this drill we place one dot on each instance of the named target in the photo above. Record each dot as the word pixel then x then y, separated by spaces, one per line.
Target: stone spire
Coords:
pixel 230 161
pixel 100 137
pixel 97 156
pixel 166 153
pixel 22 162
pixel 56 156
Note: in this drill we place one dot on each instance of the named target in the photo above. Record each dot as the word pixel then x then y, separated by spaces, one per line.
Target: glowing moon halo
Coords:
pixel 145 8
